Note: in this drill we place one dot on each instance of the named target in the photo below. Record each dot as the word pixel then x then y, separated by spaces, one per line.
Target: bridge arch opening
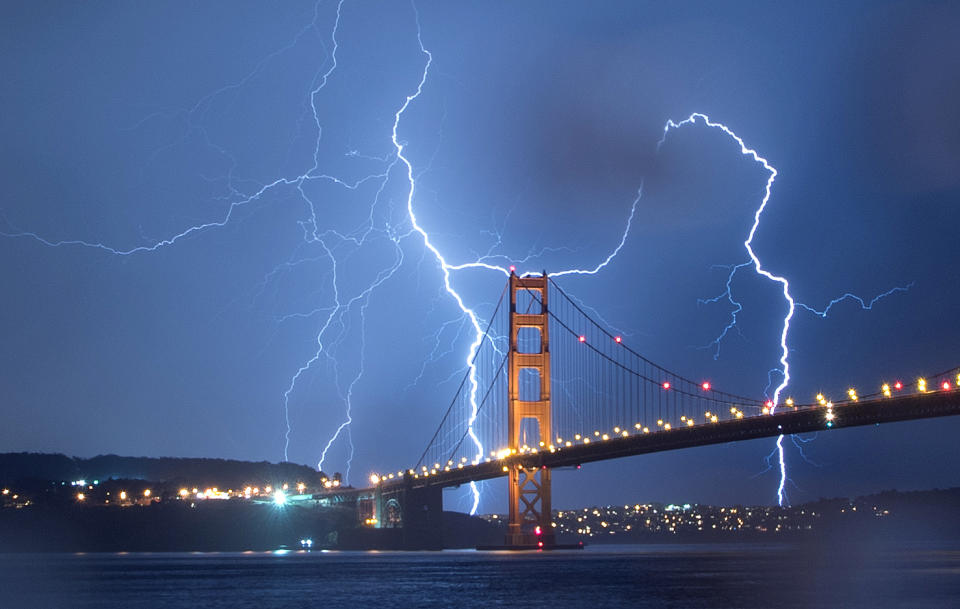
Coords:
pixel 530 433
pixel 529 340
pixel 529 385
pixel 529 301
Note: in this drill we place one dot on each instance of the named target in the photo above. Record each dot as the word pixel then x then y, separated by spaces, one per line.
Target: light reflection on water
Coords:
pixel 721 575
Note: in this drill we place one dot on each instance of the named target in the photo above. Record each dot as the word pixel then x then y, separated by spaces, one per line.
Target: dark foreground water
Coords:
pixel 601 576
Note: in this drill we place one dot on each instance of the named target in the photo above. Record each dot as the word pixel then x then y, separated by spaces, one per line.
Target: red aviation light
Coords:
pixel 946 385
pixel 666 384
pixel 898 385
pixel 706 385
pixel 583 338
pixel 513 269
pixel 538 531
pixel 618 339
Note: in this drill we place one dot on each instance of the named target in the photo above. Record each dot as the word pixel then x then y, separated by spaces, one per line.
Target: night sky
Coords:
pixel 125 124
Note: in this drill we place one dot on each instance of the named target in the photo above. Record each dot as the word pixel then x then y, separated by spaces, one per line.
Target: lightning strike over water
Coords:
pixel 792 304
pixel 334 315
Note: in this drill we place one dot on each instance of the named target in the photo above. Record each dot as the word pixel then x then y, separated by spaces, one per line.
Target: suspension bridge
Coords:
pixel 548 386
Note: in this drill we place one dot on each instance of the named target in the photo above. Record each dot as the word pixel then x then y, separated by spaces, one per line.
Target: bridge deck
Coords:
pixel 803 420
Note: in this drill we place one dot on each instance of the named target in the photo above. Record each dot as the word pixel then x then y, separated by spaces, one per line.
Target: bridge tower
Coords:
pixel 529 488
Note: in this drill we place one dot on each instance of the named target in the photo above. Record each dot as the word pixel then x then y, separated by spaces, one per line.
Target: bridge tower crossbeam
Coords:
pixel 530 519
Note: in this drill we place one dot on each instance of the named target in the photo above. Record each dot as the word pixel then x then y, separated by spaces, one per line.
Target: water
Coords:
pixel 688 576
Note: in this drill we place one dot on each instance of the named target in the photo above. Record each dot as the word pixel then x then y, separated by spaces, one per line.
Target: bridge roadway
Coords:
pixel 788 421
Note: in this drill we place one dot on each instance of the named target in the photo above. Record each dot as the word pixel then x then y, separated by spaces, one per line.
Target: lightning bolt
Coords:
pixel 333 316
pixel 792 304
pixel 329 241
pixel 449 269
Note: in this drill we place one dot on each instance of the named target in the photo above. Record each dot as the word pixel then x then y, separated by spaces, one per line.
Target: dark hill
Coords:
pixel 224 472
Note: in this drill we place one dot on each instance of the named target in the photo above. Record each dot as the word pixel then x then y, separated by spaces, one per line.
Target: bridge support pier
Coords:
pixel 397 517
pixel 531 522
pixel 422 513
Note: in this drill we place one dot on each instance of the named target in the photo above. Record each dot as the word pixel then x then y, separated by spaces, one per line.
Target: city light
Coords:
pixel 279 498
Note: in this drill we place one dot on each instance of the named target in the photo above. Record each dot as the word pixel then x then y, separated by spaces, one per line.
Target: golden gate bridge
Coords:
pixel 548 386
